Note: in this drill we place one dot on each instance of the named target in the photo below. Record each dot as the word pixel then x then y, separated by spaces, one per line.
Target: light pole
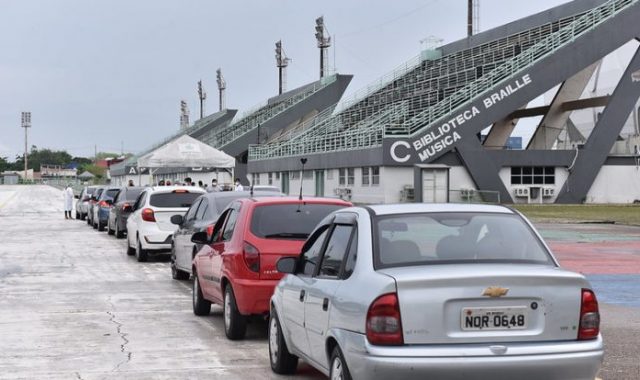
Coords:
pixel 26 123
pixel 323 43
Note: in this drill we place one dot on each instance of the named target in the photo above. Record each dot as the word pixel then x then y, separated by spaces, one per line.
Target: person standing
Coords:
pixel 131 182
pixel 239 186
pixel 68 201
pixel 214 186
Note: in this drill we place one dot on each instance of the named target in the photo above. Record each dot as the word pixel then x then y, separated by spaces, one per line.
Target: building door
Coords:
pixel 435 185
pixel 319 183
pixel 284 182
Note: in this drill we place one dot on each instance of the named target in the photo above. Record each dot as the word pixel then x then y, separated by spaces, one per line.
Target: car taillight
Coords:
pixel 384 326
pixel 589 316
pixel 251 257
pixel 210 232
pixel 103 204
pixel 147 215
pixel 124 206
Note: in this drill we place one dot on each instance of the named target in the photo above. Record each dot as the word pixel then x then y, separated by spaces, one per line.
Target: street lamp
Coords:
pixel 303 161
pixel 26 123
pixel 323 43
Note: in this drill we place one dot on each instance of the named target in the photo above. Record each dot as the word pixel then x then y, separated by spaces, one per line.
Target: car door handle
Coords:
pixel 302 292
pixel 325 304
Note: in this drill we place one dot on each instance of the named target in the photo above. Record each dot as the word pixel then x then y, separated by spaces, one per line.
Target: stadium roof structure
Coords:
pixel 432 109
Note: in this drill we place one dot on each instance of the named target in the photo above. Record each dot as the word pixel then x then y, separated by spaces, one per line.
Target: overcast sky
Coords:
pixel 113 72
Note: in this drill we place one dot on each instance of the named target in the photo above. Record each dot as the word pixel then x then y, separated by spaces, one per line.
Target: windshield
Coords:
pixel 110 194
pixel 444 238
pixel 288 221
pixel 176 199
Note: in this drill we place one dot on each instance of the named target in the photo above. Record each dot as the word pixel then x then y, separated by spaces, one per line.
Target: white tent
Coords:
pixel 186 152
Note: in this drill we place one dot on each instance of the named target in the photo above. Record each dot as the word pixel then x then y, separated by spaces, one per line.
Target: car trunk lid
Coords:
pixel 271 250
pixel 480 303
pixel 163 217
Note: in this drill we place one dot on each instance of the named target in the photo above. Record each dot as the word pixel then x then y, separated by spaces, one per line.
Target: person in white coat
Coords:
pixel 68 201
pixel 239 186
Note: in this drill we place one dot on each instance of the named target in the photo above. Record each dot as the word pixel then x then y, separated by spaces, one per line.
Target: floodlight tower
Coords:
pixel 473 17
pixel 184 115
pixel 282 62
pixel 202 95
pixel 26 124
pixel 324 41
pixel 222 86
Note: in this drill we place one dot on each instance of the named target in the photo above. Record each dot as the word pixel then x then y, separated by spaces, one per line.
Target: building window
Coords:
pixel 533 175
pixel 295 174
pixel 375 175
pixel 341 176
pixel 351 176
pixel 365 176
pixel 307 174
pixel 329 173
pixel 255 177
pixel 277 176
pixel 270 178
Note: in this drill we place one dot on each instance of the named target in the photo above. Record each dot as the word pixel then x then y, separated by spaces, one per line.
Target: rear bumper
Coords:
pixel 103 215
pixel 253 296
pixel 563 361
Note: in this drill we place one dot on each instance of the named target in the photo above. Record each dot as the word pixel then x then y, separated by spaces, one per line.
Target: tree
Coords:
pixel 5 164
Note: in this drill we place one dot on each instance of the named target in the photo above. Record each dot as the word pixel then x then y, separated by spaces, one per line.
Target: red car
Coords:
pixel 236 267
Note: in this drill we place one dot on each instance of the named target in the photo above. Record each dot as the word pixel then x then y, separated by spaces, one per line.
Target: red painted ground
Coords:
pixel 599 258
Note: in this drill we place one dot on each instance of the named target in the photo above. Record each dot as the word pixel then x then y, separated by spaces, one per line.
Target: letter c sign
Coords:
pixel 395 157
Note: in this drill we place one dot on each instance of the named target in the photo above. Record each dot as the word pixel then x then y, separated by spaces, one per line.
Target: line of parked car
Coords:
pixel 402 291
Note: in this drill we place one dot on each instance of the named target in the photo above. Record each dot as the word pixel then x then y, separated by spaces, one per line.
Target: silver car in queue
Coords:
pixel 437 291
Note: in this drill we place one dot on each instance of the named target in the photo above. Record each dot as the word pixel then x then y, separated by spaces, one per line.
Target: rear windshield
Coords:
pixel 90 190
pixel 288 221
pixel 446 238
pixel 111 193
pixel 132 194
pixel 173 199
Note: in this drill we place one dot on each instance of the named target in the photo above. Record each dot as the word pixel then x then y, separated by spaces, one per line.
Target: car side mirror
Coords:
pixel 287 265
pixel 177 220
pixel 199 237
pixel 76 196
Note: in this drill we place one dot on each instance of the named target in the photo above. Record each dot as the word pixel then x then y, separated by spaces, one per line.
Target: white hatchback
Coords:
pixel 149 227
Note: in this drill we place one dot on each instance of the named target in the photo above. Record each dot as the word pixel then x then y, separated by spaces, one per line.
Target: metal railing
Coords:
pixel 222 136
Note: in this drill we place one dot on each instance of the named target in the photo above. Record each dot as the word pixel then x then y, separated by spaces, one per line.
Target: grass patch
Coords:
pixel 619 214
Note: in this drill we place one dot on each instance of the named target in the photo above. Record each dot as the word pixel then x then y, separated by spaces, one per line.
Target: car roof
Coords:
pixel 259 200
pixel 413 208
pixel 242 194
pixel 170 189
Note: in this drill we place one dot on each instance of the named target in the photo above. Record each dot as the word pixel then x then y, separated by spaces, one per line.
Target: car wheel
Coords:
pixel 100 226
pixel 118 233
pixel 339 369
pixel 94 225
pixel 141 254
pixel 176 273
pixel 130 250
pixel 235 324
pixel 109 230
pixel 77 215
pixel 282 362
pixel 200 305
pixel 83 216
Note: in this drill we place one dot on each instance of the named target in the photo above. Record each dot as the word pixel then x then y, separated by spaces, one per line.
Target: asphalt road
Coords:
pixel 73 305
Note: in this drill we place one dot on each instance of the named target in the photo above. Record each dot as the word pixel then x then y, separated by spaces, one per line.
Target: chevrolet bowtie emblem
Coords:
pixel 495 291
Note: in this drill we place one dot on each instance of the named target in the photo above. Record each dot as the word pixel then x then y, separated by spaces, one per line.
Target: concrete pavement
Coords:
pixel 75 306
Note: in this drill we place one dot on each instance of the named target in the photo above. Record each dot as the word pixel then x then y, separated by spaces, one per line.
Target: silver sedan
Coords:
pixel 437 291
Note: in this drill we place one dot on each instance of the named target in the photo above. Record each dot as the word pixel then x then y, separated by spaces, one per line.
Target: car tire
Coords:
pixel 141 254
pixel 94 225
pixel 282 361
pixel 109 230
pixel 130 250
pixel 100 226
pixel 176 273
pixel 119 234
pixel 201 306
pixel 235 324
pixel 338 366
pixel 83 216
pixel 77 215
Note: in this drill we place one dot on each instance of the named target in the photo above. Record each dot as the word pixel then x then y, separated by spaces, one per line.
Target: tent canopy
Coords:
pixel 186 151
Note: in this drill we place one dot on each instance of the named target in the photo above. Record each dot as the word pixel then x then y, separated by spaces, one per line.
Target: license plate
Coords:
pixel 499 318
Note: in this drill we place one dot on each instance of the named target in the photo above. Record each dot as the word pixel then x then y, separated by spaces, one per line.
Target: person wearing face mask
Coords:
pixel 239 186
pixel 214 186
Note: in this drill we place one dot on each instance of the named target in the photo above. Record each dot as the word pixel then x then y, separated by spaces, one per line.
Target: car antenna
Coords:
pixel 303 161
